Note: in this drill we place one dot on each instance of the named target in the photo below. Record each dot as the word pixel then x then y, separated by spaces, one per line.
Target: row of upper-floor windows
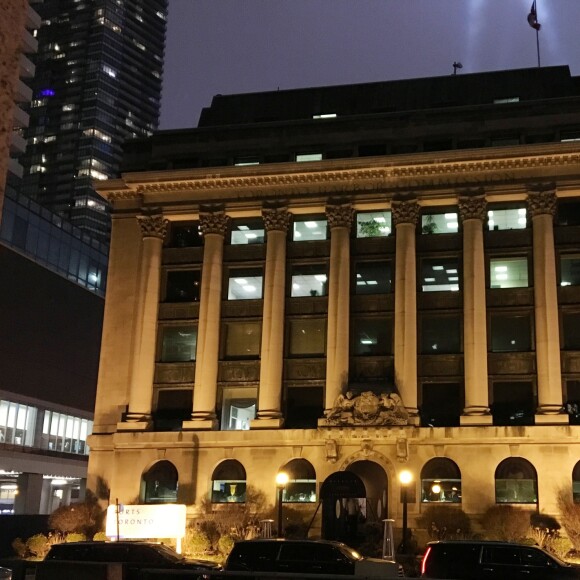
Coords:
pixel 371 224
pixel 368 277
pixel 438 333
pixel 29 426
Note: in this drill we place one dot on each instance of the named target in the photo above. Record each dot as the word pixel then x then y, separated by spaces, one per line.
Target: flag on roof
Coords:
pixel 533 17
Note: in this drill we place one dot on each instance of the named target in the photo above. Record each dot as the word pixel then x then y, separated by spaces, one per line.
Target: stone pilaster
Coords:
pixel 213 227
pixel 337 335
pixel 405 216
pixel 153 230
pixel 472 211
pixel 12 26
pixel 542 206
pixel 269 413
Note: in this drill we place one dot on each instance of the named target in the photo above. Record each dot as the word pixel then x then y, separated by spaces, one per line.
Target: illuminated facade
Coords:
pixel 350 279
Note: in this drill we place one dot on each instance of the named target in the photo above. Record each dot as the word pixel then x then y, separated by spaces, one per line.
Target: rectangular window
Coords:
pixel 247 231
pixel 66 433
pixel 17 423
pixel 507 219
pixel 513 403
pixel 238 408
pixel 373 336
pixel 571 328
pixel 307 337
pixel 373 224
pixel 373 278
pixel 508 272
pixel 441 404
pixel 440 274
pixel 309 280
pixel 304 406
pixel 300 157
pixel 511 333
pixel 173 407
pixel 185 235
pixel 440 223
pixel 183 286
pixel 243 339
pixel 179 343
pixel 568 213
pixel 245 284
pixel 309 229
pixel 570 270
pixel 440 334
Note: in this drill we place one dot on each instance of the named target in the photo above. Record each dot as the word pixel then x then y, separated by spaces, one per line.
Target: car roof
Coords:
pixel 286 540
pixel 478 542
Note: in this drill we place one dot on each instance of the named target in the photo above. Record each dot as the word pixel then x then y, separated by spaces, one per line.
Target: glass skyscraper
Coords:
pixel 98 82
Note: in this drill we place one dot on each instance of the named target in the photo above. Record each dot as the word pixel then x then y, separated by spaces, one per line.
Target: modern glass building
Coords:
pixel 97 83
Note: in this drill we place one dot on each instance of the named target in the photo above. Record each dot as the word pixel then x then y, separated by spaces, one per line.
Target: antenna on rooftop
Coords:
pixel 456 65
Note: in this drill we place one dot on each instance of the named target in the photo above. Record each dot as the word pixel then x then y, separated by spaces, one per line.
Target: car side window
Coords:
pixel 250 554
pixel 501 555
pixel 309 552
pixel 531 557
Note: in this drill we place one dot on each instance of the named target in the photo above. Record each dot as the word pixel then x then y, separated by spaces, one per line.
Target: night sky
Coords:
pixel 238 46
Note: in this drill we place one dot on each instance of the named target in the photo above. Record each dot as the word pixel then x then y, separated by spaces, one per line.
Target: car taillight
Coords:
pixel 424 562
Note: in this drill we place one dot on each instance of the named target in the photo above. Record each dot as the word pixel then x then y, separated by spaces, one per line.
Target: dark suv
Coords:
pixel 471 560
pixel 306 557
pixel 134 555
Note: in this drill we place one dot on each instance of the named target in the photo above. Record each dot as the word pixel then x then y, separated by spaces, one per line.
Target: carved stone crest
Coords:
pixel 367 409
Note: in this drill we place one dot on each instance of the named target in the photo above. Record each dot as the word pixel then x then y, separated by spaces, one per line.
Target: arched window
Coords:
pixel 516 481
pixel 440 481
pixel 576 483
pixel 228 482
pixel 301 486
pixel 159 483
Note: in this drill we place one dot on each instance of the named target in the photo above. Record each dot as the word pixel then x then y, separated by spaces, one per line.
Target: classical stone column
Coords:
pixel 542 208
pixel 272 351
pixel 138 417
pixel 472 210
pixel 337 334
pixel 213 227
pixel 405 216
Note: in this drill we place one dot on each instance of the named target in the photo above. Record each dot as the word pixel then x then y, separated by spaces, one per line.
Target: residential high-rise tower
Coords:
pixel 97 83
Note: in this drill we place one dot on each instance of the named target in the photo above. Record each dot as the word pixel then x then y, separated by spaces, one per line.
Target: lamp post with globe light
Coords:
pixel 281 481
pixel 405 478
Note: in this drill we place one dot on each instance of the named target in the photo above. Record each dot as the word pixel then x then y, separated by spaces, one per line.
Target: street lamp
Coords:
pixel 281 481
pixel 405 477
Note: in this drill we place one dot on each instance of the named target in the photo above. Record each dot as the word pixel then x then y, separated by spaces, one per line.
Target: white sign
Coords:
pixel 146 521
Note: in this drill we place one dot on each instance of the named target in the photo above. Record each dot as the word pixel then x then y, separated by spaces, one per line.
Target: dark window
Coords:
pixel 304 406
pixel 160 483
pixel 440 481
pixel 513 403
pixel 511 333
pixel 576 483
pixel 571 324
pixel 309 552
pixel 307 337
pixel 373 277
pixel 573 401
pixel 173 407
pixel 178 343
pixel 183 286
pixel 441 404
pixel 372 150
pixel 516 481
pixel 501 555
pixel 439 274
pixel 373 336
pixel 185 236
pixel 570 270
pixel 440 334
pixel 568 213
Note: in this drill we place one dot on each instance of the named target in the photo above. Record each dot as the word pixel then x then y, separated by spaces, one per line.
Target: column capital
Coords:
pixel 339 215
pixel 472 207
pixel 276 219
pixel 153 226
pixel 542 201
pixel 405 212
pixel 213 223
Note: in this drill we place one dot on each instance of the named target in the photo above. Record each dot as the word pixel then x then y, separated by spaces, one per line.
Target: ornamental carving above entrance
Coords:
pixel 367 409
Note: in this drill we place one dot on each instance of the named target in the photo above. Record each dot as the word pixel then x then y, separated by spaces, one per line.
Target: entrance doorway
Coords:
pixel 374 478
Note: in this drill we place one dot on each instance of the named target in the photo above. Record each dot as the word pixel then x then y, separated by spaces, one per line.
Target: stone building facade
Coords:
pixel 365 313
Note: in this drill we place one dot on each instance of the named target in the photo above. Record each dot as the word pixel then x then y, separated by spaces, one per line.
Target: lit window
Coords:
pixel 245 284
pixel 309 280
pixel 443 223
pixel 17 423
pixel 324 116
pixel 506 100
pixel 441 481
pixel 508 272
pixel 440 274
pixel 570 270
pixel 507 219
pixel 373 224
pixel 243 339
pixel 247 231
pixel 301 486
pixel 243 161
pixel 307 337
pixel 238 408
pixel 309 157
pixel 228 482
pixel 309 229
pixel 516 481
pixel 160 483
pixel 109 71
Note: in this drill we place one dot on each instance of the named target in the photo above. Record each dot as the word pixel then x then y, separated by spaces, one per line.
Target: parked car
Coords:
pixel 5 574
pixel 307 557
pixel 478 560
pixel 135 555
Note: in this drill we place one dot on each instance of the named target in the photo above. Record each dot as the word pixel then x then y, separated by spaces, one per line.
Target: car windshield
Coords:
pixel 350 553
pixel 168 553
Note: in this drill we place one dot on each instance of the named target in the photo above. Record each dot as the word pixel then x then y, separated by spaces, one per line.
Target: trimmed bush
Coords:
pixel 544 529
pixel 506 523
pixel 446 522
pixel 37 546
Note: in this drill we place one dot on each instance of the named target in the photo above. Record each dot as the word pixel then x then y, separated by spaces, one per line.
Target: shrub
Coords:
pixel 75 537
pixel 225 545
pixel 570 517
pixel 560 547
pixel 37 546
pixel 506 523
pixel 82 518
pixel 446 522
pixel 100 537
pixel 196 543
pixel 544 529
pixel 19 547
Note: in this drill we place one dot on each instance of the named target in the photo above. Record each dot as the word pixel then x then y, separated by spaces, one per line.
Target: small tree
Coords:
pixel 80 518
pixel 570 517
pixel 506 523
pixel 446 522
